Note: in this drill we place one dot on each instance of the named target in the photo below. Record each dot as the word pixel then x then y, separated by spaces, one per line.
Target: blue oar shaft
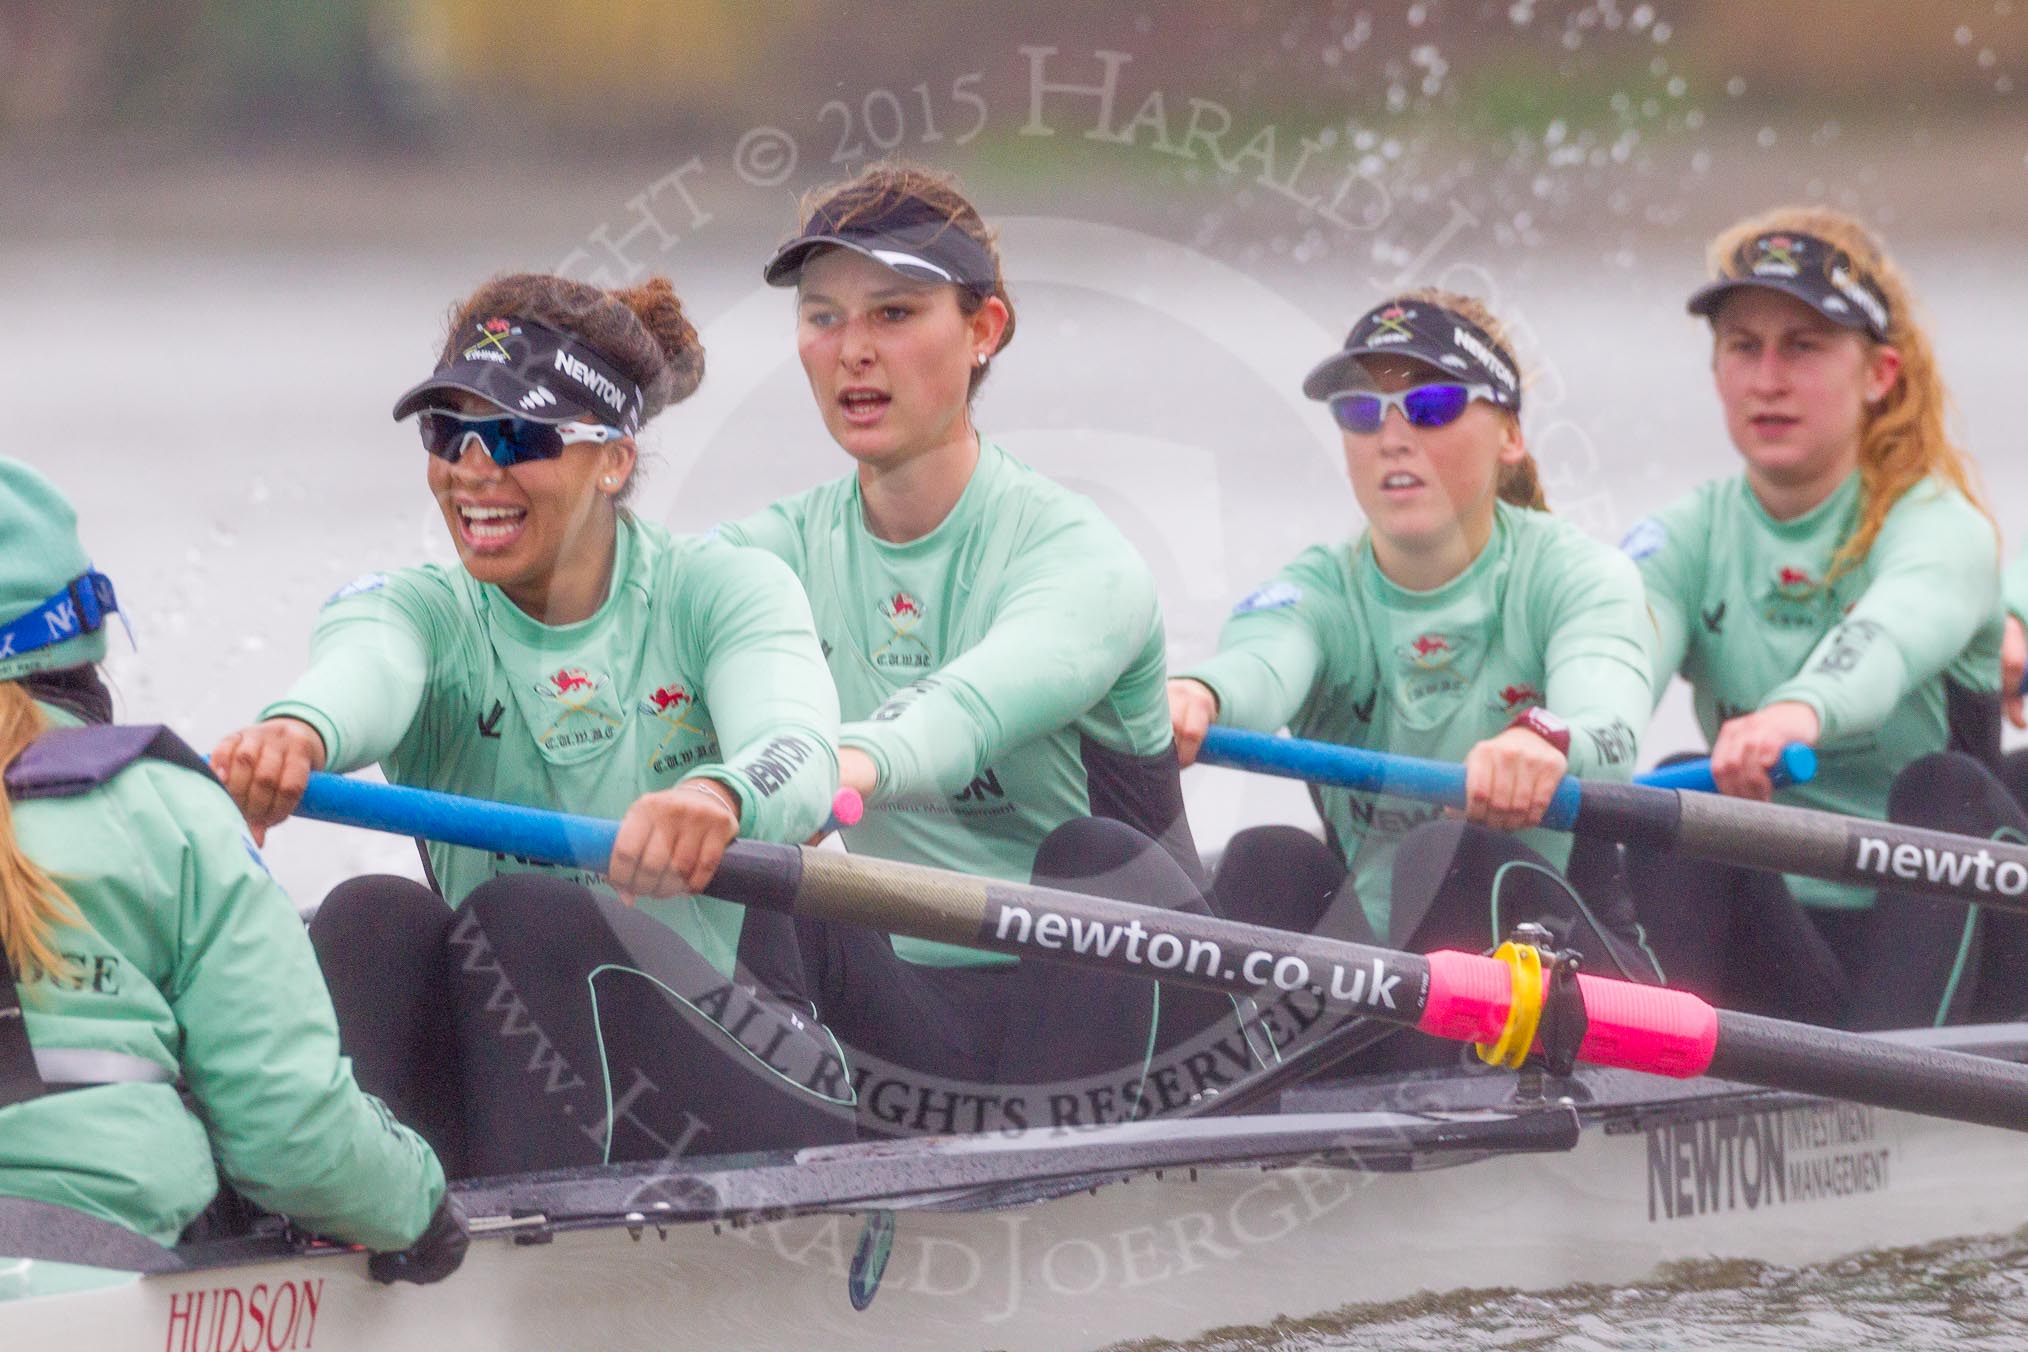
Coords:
pixel 527 832
pixel 532 833
pixel 1905 859
pixel 1796 765
pixel 1424 781
pixel 1439 782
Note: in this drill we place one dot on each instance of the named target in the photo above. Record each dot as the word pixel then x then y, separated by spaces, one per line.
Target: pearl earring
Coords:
pixel 609 481
pixel 982 359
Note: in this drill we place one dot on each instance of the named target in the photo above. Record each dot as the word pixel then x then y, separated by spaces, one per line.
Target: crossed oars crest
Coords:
pixel 668 703
pixel 1779 251
pixel 565 684
pixel 490 336
pixel 1394 319
pixel 902 613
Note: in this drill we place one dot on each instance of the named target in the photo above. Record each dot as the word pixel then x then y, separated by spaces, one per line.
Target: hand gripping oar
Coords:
pixel 1461 996
pixel 1797 764
pixel 1855 850
pixel 1441 782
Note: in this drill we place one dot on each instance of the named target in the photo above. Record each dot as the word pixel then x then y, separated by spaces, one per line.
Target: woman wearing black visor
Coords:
pixel 999 659
pixel 582 659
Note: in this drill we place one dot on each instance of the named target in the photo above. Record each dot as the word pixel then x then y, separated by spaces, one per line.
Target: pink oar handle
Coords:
pixel 1635 1027
pixel 1647 1028
pixel 847 809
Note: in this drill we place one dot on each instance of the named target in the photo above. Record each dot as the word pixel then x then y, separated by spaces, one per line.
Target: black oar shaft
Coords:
pixel 1029 921
pixel 1908 859
pixel 1861 1069
pixel 1454 995
pixel 1010 918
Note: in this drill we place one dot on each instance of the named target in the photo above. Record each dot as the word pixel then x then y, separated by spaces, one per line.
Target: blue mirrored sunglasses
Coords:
pixel 1364 411
pixel 508 440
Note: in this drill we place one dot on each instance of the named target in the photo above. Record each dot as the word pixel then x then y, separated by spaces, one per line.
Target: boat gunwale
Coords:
pixel 1411 1122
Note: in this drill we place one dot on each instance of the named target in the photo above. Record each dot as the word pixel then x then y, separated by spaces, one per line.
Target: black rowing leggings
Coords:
pixel 1456 886
pixel 2003 979
pixel 1030 1043
pixel 1739 938
pixel 540 1026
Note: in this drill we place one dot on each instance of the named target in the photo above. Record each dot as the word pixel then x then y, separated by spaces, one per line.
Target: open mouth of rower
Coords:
pixel 1773 423
pixel 490 527
pixel 1399 481
pixel 863 405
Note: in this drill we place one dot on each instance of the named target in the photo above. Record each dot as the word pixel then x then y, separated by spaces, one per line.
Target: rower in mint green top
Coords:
pixel 176 1025
pixel 1545 616
pixel 213 982
pixel 700 664
pixel 1885 654
pixel 1004 672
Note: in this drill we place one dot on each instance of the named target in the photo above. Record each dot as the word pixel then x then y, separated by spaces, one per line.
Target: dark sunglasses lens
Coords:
pixel 1357 412
pixel 1436 405
pixel 507 440
pixel 522 440
pixel 441 434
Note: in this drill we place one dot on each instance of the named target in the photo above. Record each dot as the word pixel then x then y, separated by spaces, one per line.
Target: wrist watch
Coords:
pixel 1545 725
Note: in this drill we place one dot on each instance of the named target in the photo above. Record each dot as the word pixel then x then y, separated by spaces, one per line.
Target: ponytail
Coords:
pixel 640 329
pixel 31 904
pixel 1521 485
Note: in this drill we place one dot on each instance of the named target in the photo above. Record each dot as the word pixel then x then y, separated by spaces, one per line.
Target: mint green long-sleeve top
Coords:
pixel 1745 615
pixel 191 958
pixel 1544 616
pixel 701 663
pixel 1005 673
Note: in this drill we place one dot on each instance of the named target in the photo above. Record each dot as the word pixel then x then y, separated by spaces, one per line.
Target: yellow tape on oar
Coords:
pixel 1524 1013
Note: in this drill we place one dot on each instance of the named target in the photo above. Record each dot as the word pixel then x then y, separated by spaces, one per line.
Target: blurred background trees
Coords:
pixel 412 74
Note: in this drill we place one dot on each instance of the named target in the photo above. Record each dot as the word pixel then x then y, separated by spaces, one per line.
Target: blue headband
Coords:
pixel 79 609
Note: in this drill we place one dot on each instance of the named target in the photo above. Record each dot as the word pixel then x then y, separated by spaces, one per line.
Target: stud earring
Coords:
pixel 609 481
pixel 982 359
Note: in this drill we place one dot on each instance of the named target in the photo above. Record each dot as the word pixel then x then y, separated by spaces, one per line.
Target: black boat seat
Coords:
pixel 60 1234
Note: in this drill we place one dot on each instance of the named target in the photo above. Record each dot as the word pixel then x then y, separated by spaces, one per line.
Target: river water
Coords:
pixel 219 414
pixel 1969 1296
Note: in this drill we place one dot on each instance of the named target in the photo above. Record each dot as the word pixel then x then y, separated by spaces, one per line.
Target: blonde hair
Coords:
pixel 30 901
pixel 1520 484
pixel 1902 438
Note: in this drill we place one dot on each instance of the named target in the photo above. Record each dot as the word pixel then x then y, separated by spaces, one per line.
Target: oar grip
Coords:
pixel 847 809
pixel 1649 1028
pixel 1469 997
pixel 1634 1027
pixel 1797 764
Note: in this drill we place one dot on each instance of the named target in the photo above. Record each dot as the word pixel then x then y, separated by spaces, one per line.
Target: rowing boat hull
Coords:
pixel 1705 1175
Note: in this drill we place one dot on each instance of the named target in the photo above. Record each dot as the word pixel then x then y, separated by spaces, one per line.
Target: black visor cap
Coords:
pixel 1814 271
pixel 532 371
pixel 911 236
pixel 1429 333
